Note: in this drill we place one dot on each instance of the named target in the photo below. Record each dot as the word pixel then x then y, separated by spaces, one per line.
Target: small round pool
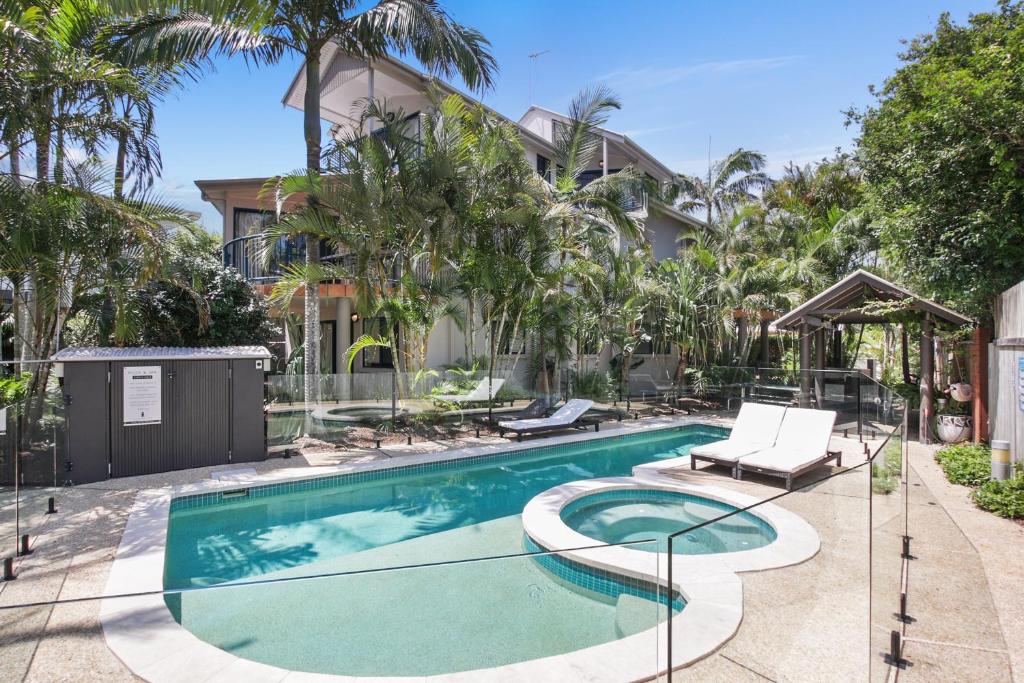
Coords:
pixel 625 515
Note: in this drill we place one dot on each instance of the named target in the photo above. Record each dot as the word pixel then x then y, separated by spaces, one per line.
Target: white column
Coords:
pixel 604 156
pixel 343 328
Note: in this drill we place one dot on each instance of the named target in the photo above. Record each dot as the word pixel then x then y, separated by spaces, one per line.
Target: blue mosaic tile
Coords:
pixel 599 580
pixel 234 496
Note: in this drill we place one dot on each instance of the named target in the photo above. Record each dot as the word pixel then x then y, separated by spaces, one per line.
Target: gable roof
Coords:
pixel 841 303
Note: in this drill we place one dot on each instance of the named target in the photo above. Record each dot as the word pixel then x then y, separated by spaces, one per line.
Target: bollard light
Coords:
pixel 1000 459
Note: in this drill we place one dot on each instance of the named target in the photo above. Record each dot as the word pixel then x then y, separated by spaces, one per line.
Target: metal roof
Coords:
pixel 843 301
pixel 74 354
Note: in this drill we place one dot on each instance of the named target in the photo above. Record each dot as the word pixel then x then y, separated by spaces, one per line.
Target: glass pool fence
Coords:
pixel 847 609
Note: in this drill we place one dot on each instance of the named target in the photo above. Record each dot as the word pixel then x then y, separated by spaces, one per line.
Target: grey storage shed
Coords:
pixel 132 411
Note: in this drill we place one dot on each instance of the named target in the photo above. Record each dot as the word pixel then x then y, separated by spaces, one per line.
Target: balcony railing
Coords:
pixel 247 256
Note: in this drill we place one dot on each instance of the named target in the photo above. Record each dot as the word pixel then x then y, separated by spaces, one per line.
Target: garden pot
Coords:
pixel 953 428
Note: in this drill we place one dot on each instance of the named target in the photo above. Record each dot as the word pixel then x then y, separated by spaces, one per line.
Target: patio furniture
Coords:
pixel 477 395
pixel 756 428
pixel 539 407
pixel 802 445
pixel 568 416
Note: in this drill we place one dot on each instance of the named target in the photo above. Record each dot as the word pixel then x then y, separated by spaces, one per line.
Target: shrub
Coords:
pixel 1004 498
pixel 966 464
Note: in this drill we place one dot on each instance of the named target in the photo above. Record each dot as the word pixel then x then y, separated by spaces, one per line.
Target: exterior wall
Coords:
pixel 1006 372
pixel 663 235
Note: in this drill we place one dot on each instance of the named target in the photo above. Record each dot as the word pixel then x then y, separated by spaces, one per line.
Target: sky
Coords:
pixel 693 77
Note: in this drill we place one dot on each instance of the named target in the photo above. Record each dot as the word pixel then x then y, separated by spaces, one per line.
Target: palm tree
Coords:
pixel 730 182
pixel 188 30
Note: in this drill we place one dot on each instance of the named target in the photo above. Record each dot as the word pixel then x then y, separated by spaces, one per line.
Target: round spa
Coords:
pixel 625 515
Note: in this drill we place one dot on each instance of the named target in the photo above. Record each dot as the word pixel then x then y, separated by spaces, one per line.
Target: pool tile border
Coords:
pixel 140 630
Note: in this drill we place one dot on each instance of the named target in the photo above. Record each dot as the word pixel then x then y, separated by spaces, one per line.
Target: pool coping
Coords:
pixel 141 631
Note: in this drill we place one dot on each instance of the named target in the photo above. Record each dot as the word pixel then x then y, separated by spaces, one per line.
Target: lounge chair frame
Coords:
pixel 580 423
pixel 789 476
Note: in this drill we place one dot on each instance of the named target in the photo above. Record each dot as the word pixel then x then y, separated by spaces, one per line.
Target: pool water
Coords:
pixel 405 622
pixel 624 516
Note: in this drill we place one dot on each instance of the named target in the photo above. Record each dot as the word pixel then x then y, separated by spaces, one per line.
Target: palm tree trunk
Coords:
pixel 311 298
pixel 311 110
pixel 14 147
pixel 58 158
pixel 119 163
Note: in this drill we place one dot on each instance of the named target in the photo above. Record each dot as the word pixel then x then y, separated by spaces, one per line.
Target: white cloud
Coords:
pixel 646 77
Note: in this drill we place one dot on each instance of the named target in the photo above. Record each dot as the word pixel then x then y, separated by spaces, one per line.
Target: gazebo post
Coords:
pixel 764 343
pixel 805 365
pixel 927 380
pixel 819 365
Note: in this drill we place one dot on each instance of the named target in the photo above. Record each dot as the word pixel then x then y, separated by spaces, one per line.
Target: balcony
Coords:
pixel 244 255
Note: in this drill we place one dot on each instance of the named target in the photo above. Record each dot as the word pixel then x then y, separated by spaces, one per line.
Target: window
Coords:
pixel 328 335
pixel 251 221
pixel 544 168
pixel 376 356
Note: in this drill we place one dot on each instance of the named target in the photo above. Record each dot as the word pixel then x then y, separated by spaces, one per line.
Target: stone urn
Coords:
pixel 953 428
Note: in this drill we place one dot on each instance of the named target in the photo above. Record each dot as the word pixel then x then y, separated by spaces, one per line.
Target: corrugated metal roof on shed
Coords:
pixel 105 353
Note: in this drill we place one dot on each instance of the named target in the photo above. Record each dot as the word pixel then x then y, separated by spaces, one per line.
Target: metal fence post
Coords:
pixel 394 395
pixel 860 412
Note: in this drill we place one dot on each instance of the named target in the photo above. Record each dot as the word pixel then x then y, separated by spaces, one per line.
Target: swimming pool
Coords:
pixel 390 623
pixel 622 516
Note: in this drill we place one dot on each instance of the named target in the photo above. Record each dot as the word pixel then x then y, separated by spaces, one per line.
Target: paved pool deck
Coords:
pixel 806 622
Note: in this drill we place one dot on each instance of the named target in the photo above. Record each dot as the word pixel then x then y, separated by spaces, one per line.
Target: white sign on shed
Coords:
pixel 142 395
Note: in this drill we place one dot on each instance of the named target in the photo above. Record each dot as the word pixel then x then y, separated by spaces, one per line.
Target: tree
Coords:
pixel 942 151
pixel 187 30
pixel 197 301
pixel 730 182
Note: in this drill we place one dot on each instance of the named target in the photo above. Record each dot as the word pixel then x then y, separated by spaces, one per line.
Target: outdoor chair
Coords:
pixel 479 393
pixel 802 445
pixel 569 416
pixel 538 407
pixel 756 428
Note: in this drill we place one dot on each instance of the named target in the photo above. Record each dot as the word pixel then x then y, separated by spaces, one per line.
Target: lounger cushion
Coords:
pixel 565 415
pixel 757 423
pixel 803 438
pixel 479 392
pixel 729 450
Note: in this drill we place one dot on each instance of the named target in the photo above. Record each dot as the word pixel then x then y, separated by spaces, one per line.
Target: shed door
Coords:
pixel 139 449
pixel 199 413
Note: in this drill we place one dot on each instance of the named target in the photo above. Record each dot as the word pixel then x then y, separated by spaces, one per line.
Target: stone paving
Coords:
pixel 807 622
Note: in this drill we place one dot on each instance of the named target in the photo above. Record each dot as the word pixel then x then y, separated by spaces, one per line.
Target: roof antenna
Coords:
pixel 533 66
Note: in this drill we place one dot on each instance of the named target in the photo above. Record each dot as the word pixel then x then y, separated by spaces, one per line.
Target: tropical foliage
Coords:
pixel 943 159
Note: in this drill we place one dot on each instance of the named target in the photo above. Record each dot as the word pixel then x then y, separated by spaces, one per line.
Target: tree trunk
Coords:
pixel 905 355
pixel 311 297
pixel 58 158
pixel 311 110
pixel 119 163
pixel 43 151
pixel 14 146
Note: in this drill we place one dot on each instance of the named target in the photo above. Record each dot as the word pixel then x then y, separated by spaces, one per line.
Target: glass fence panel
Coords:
pixel 10 489
pixel 803 581
pixel 888 524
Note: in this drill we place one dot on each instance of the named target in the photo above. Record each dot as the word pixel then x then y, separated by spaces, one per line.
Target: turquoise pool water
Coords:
pixel 627 516
pixel 405 622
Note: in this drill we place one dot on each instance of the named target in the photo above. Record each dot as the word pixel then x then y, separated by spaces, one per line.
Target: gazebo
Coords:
pixel 849 302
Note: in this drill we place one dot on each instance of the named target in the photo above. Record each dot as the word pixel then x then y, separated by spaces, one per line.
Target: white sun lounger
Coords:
pixel 569 415
pixel 478 394
pixel 756 427
pixel 802 445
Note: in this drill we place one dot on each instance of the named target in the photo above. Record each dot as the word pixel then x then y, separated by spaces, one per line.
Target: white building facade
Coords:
pixel 344 82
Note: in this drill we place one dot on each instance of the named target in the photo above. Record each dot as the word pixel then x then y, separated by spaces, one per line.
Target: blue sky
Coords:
pixel 774 77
